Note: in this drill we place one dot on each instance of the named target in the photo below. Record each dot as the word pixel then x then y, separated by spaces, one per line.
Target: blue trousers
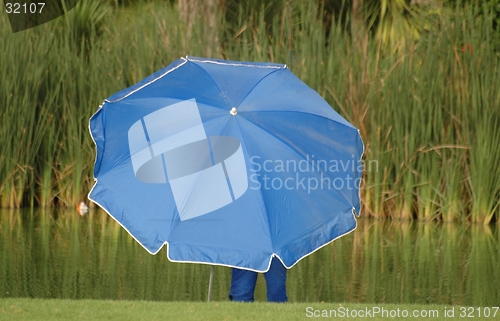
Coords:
pixel 243 283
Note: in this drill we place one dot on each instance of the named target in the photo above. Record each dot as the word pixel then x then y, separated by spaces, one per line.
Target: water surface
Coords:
pixel 58 254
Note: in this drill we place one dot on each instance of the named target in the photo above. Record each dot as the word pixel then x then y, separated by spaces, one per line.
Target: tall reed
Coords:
pixel 429 114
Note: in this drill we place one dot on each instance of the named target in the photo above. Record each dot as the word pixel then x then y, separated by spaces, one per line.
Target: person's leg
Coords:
pixel 276 282
pixel 242 285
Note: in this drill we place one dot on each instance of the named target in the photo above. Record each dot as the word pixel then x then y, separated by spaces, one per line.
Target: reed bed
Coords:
pixel 429 114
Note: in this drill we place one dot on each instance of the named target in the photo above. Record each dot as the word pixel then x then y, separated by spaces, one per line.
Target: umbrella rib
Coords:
pixel 262 204
pixel 303 112
pixel 262 197
pixel 278 68
pixel 148 83
pixel 295 151
pixel 248 93
pixel 213 81
pixel 249 65
pixel 324 245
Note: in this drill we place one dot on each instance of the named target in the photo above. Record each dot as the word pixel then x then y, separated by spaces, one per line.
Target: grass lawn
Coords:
pixel 43 309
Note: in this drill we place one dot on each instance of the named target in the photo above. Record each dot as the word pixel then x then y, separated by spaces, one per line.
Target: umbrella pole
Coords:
pixel 210 283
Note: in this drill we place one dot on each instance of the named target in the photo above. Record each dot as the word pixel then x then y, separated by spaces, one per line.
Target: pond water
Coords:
pixel 58 254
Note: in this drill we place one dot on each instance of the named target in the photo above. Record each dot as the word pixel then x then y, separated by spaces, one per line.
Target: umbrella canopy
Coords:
pixel 228 163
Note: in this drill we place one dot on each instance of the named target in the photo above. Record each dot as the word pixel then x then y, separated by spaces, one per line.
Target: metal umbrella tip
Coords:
pixel 233 111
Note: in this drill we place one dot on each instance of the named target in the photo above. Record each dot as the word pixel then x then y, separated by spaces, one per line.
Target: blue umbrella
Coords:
pixel 228 163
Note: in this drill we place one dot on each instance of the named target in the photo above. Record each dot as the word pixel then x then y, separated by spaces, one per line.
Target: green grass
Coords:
pixel 37 309
pixel 428 114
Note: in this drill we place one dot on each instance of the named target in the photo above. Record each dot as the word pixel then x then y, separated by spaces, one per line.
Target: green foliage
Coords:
pixel 123 3
pixel 484 9
pixel 85 21
pixel 393 22
pixel 425 114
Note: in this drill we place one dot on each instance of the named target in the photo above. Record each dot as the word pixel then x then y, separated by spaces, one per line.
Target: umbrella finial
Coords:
pixel 233 111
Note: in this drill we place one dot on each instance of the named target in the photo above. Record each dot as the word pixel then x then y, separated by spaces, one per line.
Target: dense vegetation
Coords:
pixel 427 101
